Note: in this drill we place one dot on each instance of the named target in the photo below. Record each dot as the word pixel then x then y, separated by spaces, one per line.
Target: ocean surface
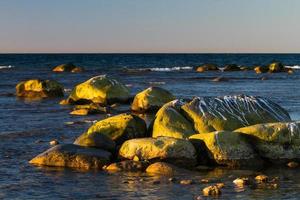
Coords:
pixel 26 127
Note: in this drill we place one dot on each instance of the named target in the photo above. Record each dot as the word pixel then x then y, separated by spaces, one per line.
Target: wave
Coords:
pixel 6 66
pixel 158 69
pixel 293 67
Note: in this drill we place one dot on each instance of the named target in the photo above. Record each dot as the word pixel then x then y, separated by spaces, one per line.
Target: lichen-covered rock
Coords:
pixel 39 89
pixel 228 148
pixel 207 67
pixel 69 67
pixel 96 140
pixel 277 142
pixel 171 123
pixel 151 99
pixel 276 67
pixel 100 89
pixel 232 112
pixel 74 156
pixel 231 67
pixel 176 151
pixel 118 128
pixel 127 166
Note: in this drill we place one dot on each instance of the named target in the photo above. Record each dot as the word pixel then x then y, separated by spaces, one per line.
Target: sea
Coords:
pixel 26 127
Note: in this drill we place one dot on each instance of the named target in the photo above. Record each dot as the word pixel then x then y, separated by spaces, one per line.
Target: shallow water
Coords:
pixel 27 127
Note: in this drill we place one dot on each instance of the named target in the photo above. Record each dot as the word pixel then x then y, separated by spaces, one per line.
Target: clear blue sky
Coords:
pixel 149 26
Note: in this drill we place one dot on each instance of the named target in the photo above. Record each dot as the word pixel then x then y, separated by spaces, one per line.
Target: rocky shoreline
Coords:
pixel 230 131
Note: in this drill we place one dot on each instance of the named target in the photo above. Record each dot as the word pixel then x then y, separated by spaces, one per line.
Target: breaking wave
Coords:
pixel 293 67
pixel 6 66
pixel 159 69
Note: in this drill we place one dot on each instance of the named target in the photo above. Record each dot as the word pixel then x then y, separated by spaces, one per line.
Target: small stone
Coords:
pixel 211 191
pixel 241 182
pixel 290 71
pixel 198 198
pixel 293 164
pixel 64 102
pixel 172 179
pixel 204 180
pixel 220 185
pixel 114 105
pixel 186 182
pixel 80 112
pixel 53 142
pixel 135 158
pixel 261 178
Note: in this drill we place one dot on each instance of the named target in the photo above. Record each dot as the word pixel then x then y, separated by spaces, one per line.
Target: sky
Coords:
pixel 150 26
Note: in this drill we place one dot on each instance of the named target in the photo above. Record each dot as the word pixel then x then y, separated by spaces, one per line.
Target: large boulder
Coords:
pixel 100 89
pixel 37 88
pixel 207 67
pixel 276 67
pixel 171 123
pixel 69 67
pixel 232 112
pixel 277 142
pixel 227 148
pixel 117 128
pixel 177 151
pixel 151 99
pixel 74 156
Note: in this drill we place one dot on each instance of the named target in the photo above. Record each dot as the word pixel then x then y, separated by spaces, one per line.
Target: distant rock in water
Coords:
pixel 100 89
pixel 73 156
pixel 39 89
pixel 220 79
pixel 151 99
pixel 207 67
pixel 69 67
pixel 231 67
pixel 276 67
pixel 261 69
pixel 232 112
pixel 277 142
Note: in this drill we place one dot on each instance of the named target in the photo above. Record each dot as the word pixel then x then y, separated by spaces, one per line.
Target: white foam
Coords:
pixel 167 69
pixel 6 67
pixel 293 67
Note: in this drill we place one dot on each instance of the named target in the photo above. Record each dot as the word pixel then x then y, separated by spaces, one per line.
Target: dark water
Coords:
pixel 27 127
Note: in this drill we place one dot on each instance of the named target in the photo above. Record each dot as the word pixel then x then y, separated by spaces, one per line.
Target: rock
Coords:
pixel 293 164
pixel 277 142
pixel 101 141
pixel 261 69
pixel 171 123
pixel 231 112
pixel 176 151
pixel 74 156
pixel 245 68
pixel 241 182
pixel 211 191
pixel 261 178
pixel 118 128
pixel 276 67
pixel 162 168
pixel 290 71
pixel 127 165
pixel 64 102
pixel 186 182
pixel 220 79
pixel 207 67
pixel 100 90
pixel 36 88
pixel 220 185
pixel 89 109
pixel 69 67
pixel 228 148
pixel 151 99
pixel 231 67
pixel 53 142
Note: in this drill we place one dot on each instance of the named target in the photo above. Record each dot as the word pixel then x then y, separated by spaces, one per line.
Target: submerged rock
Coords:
pixel 162 168
pixel 100 89
pixel 89 109
pixel 228 148
pixel 212 190
pixel 261 69
pixel 220 79
pixel 74 156
pixel 171 123
pixel 127 165
pixel 277 142
pixel 69 67
pixel 232 112
pixel 151 99
pixel 276 67
pixel 176 151
pixel 37 88
pixel 117 128
pixel 207 67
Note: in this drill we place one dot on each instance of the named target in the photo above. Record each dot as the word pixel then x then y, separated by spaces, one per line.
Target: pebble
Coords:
pixel 172 179
pixel 293 164
pixel 220 185
pixel 204 180
pixel 261 178
pixel 186 182
pixel 53 142
pixel 241 181
pixel 211 191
